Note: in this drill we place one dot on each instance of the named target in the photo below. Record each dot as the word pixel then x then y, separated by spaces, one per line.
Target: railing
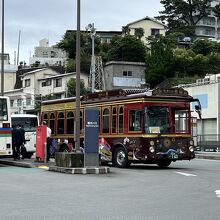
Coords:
pixel 208 142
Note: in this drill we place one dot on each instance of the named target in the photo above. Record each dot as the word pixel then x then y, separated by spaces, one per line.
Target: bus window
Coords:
pixel 60 125
pixel 3 110
pixel 45 118
pixel 157 119
pixel 181 121
pixel 70 123
pixel 134 120
pixel 52 122
pixel 105 121
pixel 121 120
pixel 114 119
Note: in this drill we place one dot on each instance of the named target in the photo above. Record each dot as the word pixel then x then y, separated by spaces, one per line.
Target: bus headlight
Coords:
pixel 152 149
pixel 191 142
pixel 152 143
pixel 191 149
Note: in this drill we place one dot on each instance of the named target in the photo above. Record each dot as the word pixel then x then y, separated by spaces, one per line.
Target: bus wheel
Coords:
pixel 120 158
pixel 163 163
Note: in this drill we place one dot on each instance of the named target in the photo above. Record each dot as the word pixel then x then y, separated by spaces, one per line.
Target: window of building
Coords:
pixel 19 102
pixel 46 83
pixel 58 96
pixel 58 83
pixel 105 121
pixel 60 125
pixel 28 101
pixel 27 82
pixel 11 103
pixel 127 73
pixel 155 31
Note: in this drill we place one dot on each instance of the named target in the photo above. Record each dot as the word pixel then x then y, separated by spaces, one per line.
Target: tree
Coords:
pixel 126 30
pixel 68 44
pixel 184 14
pixel 71 87
pixel 159 61
pixel 203 46
pixel 139 32
pixel 127 48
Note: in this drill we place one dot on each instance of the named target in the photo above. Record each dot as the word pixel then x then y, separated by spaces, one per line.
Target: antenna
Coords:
pixel 19 36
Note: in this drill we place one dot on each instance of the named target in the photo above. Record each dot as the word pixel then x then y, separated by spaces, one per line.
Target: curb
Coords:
pixel 18 163
pixel 209 157
pixel 83 170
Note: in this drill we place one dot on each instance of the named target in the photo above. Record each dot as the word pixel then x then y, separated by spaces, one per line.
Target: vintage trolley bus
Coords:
pixel 136 126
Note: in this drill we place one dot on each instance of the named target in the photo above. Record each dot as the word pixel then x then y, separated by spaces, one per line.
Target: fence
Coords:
pixel 208 142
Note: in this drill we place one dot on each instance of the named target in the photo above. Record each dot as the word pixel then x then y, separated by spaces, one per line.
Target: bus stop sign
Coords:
pixel 91 146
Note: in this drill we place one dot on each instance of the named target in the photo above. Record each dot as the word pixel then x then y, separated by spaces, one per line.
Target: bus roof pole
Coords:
pixel 77 133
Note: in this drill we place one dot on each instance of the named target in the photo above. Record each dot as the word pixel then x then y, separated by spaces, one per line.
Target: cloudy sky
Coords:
pixel 51 18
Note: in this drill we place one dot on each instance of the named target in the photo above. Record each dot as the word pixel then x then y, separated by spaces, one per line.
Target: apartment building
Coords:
pixel 51 55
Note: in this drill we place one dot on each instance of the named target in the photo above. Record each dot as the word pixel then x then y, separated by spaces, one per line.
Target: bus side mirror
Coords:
pixel 198 110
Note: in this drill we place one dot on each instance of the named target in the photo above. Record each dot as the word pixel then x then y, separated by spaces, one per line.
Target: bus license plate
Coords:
pixel 173 156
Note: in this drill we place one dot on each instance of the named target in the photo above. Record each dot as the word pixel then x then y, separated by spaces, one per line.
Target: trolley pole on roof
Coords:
pixel 77 131
pixel 2 55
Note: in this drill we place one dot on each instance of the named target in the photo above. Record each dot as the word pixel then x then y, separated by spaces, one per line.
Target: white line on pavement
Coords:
pixel 186 174
pixel 217 193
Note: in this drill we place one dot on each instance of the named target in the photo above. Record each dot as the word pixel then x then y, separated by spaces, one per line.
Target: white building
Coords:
pixel 207 90
pixel 38 83
pixel 50 55
pixel 150 26
pixel 9 73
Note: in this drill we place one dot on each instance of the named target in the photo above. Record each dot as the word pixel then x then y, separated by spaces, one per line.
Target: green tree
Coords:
pixel 159 61
pixel 127 48
pixel 184 14
pixel 139 32
pixel 71 88
pixel 203 46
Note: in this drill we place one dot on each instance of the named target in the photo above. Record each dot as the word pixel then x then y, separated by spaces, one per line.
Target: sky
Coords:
pixel 51 18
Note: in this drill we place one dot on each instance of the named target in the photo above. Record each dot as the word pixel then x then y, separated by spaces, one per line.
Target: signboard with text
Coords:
pixel 91 130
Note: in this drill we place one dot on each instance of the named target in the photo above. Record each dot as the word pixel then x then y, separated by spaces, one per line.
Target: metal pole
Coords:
pixel 93 61
pixel 77 133
pixel 2 57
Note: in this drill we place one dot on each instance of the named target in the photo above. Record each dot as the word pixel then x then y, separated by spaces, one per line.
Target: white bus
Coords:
pixel 5 127
pixel 29 122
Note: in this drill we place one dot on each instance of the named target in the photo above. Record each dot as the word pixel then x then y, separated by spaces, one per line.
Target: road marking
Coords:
pixel 217 193
pixel 44 167
pixel 186 174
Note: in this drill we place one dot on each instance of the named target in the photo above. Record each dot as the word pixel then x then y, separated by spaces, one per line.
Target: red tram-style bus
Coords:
pixel 136 126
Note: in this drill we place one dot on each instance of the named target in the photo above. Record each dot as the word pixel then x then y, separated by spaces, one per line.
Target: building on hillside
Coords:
pixel 121 74
pixel 51 55
pixel 105 36
pixel 9 73
pixel 38 83
pixel 209 27
pixel 150 26
pixel 207 90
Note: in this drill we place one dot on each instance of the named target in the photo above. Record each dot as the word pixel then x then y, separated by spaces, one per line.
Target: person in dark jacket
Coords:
pixel 22 148
pixel 17 141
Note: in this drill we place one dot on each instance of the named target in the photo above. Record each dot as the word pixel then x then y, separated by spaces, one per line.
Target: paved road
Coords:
pixel 186 190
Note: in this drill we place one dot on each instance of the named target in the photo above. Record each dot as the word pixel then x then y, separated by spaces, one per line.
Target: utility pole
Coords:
pixel 19 36
pixel 77 131
pixel 2 57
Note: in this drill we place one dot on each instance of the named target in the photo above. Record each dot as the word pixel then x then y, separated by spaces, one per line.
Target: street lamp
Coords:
pixel 92 30
pixel 77 131
pixel 2 57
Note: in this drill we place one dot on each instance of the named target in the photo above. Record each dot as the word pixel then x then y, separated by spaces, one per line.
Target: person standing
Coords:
pixel 48 140
pixel 17 141
pixel 22 147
